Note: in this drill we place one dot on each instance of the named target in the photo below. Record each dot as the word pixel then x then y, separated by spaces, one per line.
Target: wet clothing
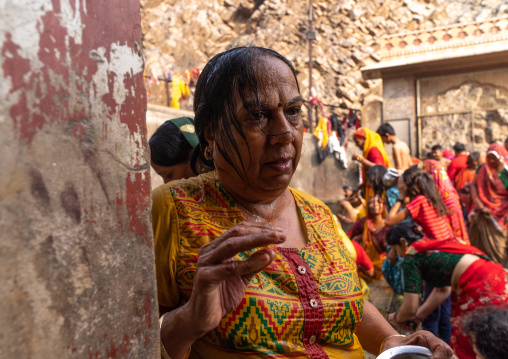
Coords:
pixel 425 215
pixel 450 199
pixel 483 283
pixel 306 303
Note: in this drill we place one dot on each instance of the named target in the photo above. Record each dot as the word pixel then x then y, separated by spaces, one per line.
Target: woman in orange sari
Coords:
pixel 450 198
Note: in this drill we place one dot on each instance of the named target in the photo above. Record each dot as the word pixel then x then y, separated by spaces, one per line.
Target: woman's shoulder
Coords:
pixel 305 199
pixel 187 187
pixel 204 191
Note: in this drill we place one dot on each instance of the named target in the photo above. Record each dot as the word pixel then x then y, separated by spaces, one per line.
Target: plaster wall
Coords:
pixel 399 110
pixel 324 180
pixel 76 255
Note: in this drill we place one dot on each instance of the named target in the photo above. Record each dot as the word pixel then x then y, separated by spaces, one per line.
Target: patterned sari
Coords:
pixel 450 198
pixel 306 304
pixel 489 231
pixel 483 283
pixel 491 190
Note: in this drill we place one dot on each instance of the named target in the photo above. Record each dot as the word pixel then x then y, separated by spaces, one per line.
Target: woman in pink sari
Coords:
pixel 450 197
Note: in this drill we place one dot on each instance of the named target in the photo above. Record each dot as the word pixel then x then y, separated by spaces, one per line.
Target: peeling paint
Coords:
pixel 79 257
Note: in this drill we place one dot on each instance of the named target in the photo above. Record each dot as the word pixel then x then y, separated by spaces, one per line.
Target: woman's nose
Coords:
pixel 279 127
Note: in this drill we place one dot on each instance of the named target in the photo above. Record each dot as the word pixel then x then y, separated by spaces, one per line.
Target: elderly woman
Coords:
pixel 246 266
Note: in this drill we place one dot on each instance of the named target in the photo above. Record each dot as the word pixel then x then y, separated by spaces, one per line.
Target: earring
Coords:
pixel 207 154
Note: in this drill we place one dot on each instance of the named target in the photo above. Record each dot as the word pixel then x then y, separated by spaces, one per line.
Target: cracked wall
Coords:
pixel 76 256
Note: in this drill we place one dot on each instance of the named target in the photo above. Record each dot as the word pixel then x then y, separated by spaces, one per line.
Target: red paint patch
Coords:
pixel 112 350
pixel 137 199
pixel 126 344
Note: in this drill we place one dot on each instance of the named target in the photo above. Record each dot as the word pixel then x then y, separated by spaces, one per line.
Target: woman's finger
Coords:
pixel 217 273
pixel 241 229
pixel 232 246
pixel 439 348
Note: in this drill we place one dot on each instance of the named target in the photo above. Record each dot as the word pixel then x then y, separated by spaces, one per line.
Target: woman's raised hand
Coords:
pixel 220 282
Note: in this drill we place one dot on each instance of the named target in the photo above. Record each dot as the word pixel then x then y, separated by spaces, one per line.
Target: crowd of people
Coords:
pixel 248 266
pixel 443 238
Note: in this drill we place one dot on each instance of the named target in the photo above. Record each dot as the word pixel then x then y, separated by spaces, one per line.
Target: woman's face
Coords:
pixel 359 142
pixel 493 161
pixel 375 204
pixel 269 159
pixel 170 173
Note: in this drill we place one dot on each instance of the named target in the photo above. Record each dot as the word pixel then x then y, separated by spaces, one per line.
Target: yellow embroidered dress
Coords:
pixel 306 303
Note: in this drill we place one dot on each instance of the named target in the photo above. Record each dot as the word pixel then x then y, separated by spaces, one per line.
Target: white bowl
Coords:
pixel 406 352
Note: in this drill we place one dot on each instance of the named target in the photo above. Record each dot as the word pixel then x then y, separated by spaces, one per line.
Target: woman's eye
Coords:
pixel 292 113
pixel 259 116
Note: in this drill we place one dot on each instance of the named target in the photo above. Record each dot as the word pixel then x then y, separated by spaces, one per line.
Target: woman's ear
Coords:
pixel 209 138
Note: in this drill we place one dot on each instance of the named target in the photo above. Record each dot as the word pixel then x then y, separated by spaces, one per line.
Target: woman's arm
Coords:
pixel 396 216
pixel 407 311
pixel 368 164
pixel 373 329
pixel 377 335
pixel 478 204
pixel 434 300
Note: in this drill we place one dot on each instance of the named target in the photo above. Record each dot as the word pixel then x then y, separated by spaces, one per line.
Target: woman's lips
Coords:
pixel 282 165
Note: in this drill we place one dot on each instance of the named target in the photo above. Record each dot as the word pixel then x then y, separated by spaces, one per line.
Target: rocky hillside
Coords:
pixel 182 34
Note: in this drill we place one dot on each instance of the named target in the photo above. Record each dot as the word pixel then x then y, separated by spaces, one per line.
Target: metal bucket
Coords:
pixel 406 352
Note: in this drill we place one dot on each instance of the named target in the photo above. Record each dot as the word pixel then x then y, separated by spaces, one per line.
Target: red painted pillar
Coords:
pixel 76 253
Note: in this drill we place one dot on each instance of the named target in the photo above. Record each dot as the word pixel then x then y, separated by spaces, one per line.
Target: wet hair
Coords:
pixel 227 75
pixel 385 129
pixel 405 229
pixel 490 327
pixel 418 182
pixel 459 147
pixel 376 174
pixel 168 146
pixel 473 157
pixel 436 148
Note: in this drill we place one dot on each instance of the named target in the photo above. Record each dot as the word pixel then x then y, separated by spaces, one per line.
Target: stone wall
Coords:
pixel 181 34
pixel 470 108
pixel 76 255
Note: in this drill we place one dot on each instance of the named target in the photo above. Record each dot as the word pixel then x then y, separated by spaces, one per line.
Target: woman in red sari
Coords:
pixel 489 228
pixel 450 198
pixel 475 280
